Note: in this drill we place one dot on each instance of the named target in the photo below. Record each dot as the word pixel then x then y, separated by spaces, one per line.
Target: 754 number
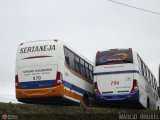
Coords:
pixel 114 82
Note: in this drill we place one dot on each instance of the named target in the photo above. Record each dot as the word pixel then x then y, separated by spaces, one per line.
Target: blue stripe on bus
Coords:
pixel 50 83
pixel 118 97
pixel 37 84
pixel 75 88
pixel 117 72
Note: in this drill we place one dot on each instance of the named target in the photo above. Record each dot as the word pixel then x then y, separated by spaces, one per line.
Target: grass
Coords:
pixel 52 112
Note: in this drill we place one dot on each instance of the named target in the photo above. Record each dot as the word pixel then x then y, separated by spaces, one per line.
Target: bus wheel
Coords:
pixel 148 104
pixel 86 99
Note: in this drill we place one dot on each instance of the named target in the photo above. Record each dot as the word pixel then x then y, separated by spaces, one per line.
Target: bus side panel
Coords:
pixel 141 83
pixel 76 85
pixel 146 90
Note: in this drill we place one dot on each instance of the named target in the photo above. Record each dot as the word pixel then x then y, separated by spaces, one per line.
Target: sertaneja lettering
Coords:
pixel 37 48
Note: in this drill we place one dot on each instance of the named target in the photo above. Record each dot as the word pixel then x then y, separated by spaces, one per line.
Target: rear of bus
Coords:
pixel 39 71
pixel 114 77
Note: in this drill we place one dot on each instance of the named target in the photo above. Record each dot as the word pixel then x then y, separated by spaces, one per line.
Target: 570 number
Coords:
pixel 36 77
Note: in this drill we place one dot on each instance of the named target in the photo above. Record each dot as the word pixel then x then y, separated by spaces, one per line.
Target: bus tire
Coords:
pixel 148 103
pixel 86 99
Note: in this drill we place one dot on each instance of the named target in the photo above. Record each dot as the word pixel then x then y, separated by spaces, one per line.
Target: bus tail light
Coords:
pixel 59 78
pixel 17 82
pixel 135 86
pixel 96 88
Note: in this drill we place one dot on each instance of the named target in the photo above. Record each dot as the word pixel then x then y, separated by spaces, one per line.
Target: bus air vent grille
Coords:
pixel 107 92
pixel 123 91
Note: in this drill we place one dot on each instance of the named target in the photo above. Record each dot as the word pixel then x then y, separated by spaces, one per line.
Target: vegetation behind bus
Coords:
pixel 50 112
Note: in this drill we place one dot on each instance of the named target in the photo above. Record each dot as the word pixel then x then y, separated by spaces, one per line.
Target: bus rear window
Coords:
pixel 114 56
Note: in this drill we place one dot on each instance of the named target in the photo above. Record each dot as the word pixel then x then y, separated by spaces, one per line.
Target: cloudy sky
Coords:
pixel 85 25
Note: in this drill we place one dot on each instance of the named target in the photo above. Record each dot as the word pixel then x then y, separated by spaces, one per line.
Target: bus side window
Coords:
pixel 90 72
pixel 144 71
pixel 154 84
pixel 82 67
pixel 151 79
pixel 86 70
pixel 77 64
pixel 71 60
pixel 140 65
pixel 69 56
pixel 67 60
pixel 147 76
pixel 66 55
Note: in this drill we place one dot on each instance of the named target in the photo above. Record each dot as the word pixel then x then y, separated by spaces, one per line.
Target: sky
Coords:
pixel 87 26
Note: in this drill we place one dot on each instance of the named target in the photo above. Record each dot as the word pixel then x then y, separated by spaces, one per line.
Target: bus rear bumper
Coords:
pixel 42 92
pixel 117 98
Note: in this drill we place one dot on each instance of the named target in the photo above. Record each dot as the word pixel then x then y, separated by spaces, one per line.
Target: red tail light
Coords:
pixel 17 82
pixel 96 88
pixel 135 86
pixel 59 78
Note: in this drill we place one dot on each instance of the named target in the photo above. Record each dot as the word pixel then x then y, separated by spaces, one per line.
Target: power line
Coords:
pixel 134 7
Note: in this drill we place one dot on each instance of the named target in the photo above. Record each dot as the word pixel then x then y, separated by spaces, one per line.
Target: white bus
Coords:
pixel 48 71
pixel 122 78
